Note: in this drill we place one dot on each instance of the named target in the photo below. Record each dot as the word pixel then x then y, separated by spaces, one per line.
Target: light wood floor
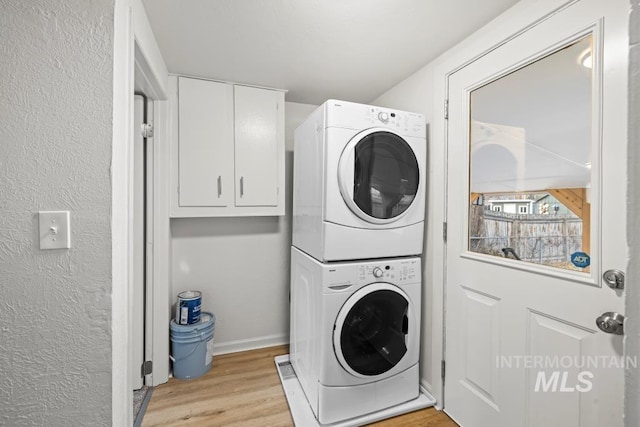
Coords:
pixel 243 389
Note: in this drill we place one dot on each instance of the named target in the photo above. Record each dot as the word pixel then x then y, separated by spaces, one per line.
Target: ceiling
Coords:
pixel 316 49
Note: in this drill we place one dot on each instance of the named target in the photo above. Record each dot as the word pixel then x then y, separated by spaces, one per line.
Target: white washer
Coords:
pixel 355 333
pixel 359 182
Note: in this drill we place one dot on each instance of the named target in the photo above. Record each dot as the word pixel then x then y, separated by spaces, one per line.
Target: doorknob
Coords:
pixel 611 323
pixel 614 278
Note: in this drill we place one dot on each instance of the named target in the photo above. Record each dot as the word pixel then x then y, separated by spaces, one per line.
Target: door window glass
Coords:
pixel 385 176
pixel 373 334
pixel 530 162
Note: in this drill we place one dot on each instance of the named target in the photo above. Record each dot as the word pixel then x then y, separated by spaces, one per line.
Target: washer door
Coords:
pixel 378 175
pixel 370 333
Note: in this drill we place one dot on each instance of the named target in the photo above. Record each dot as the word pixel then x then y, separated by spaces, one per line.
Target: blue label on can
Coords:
pixel 580 259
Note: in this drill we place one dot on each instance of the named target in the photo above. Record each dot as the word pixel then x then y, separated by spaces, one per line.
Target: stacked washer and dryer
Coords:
pixel 358 220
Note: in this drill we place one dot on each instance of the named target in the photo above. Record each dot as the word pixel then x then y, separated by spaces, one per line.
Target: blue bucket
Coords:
pixel 192 347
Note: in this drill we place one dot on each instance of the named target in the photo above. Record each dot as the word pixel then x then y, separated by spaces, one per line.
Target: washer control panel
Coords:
pixel 342 277
pixel 396 271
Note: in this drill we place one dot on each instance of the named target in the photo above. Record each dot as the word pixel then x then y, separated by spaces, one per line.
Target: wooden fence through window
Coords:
pixel 543 239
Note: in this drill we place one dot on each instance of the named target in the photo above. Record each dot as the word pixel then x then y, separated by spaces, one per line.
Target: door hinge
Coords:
pixel 147 367
pixel 446 109
pixel 443 368
pixel 444 231
pixel 147 130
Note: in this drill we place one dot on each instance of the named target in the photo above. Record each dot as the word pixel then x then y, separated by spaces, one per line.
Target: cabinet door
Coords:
pixel 205 155
pixel 257 146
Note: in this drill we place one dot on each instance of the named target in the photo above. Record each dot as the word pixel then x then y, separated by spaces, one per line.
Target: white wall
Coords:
pixel 241 265
pixel 632 325
pixel 55 154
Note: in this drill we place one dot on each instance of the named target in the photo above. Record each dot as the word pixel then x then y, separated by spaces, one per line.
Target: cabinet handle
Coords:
pixel 242 186
pixel 219 186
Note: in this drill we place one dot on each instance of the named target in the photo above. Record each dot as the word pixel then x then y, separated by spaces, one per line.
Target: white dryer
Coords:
pixel 359 182
pixel 355 332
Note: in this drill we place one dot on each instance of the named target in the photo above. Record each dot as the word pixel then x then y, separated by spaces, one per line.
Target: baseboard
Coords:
pixel 249 344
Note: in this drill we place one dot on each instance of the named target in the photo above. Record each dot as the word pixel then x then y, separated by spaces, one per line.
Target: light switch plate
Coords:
pixel 55 230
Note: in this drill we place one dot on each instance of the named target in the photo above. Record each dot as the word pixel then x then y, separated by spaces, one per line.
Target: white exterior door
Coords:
pixel 539 122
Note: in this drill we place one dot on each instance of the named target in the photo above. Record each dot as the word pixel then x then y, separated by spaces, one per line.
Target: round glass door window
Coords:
pixel 372 334
pixel 384 176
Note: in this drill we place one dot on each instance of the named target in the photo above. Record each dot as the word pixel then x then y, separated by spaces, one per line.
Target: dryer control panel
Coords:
pixel 360 116
pixel 399 121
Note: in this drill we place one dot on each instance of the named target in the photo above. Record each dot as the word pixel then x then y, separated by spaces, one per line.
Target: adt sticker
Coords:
pixel 580 259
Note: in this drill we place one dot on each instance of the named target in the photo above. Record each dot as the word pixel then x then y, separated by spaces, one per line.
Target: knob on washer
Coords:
pixel 377 272
pixel 384 117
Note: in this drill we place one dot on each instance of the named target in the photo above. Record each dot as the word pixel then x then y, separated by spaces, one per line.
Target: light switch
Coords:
pixel 55 230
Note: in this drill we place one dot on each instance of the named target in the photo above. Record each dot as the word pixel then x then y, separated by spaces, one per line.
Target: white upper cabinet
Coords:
pixel 227 149
pixel 205 143
pixel 257 147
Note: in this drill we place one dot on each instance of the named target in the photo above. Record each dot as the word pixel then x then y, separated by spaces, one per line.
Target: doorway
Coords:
pixel 536 123
pixel 142 250
pixel 148 344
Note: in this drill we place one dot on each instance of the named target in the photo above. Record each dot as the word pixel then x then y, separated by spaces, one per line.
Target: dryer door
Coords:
pixel 378 175
pixel 370 336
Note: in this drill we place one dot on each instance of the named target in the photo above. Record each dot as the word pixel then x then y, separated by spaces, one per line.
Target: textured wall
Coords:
pixel 55 153
pixel 632 325
pixel 241 265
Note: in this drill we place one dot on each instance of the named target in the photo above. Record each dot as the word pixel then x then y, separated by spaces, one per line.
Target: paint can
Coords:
pixel 188 307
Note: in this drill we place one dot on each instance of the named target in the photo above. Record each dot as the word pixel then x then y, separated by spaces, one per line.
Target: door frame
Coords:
pixel 136 55
pixel 157 262
pixel 515 21
pixel 632 341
